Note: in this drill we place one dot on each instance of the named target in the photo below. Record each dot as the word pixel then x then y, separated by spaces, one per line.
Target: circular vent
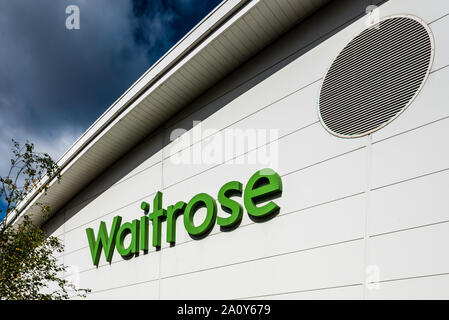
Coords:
pixel 375 77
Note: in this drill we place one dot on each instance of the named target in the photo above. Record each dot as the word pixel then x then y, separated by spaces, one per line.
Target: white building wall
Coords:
pixel 378 202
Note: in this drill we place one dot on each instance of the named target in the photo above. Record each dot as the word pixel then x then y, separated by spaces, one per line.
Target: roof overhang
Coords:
pixel 231 34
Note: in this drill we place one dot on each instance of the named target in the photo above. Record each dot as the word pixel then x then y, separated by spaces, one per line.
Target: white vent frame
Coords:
pixel 426 76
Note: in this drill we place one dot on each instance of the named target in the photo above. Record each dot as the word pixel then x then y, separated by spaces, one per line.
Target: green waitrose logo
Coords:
pixel 260 190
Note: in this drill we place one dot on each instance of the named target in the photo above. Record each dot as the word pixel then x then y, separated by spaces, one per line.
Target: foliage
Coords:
pixel 27 169
pixel 28 268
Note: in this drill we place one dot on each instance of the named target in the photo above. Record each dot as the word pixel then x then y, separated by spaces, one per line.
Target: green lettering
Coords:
pixel 258 195
pixel 198 201
pixel 262 186
pixel 156 217
pixel 144 233
pixel 103 241
pixel 233 188
pixel 173 212
pixel 128 228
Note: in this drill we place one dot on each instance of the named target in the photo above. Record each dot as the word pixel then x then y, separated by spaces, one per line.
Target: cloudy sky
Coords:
pixel 55 82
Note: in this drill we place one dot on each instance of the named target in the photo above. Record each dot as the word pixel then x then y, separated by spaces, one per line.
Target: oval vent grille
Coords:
pixel 375 77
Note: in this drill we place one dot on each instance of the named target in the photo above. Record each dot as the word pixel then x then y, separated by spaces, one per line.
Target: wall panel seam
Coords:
pixel 422 226
pixel 411 179
pixel 302 291
pixel 251 114
pixel 241 262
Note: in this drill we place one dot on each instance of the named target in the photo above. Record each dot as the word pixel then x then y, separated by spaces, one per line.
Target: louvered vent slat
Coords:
pixel 375 77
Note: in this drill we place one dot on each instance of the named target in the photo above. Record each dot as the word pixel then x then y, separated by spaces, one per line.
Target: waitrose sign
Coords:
pixel 260 190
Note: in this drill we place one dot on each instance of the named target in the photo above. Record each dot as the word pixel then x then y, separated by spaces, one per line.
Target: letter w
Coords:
pixel 103 240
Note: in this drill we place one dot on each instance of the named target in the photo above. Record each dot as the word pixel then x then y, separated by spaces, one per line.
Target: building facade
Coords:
pixel 359 204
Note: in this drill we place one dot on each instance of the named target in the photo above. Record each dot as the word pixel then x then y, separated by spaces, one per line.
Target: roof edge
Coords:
pixel 198 34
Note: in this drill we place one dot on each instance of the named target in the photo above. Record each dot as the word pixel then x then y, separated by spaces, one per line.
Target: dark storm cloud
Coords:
pixel 55 82
pixel 156 15
pixel 53 75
